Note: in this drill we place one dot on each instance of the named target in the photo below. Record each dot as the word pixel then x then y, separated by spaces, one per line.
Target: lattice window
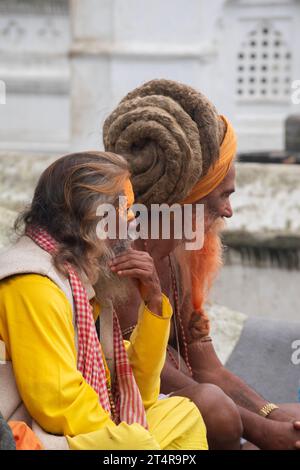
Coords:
pixel 264 65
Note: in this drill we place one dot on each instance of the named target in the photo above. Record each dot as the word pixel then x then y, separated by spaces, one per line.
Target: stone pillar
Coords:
pixel 91 29
pixel 34 69
pixel 292 133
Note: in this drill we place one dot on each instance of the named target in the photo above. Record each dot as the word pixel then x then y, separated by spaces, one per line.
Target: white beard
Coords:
pixel 109 285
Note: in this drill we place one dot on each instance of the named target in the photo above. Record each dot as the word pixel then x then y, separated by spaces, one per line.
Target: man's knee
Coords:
pixel 223 412
pixel 218 410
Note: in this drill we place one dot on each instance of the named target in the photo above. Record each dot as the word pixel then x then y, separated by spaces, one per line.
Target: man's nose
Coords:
pixel 227 211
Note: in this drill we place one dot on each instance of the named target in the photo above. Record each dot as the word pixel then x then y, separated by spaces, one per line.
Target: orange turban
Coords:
pixel 217 172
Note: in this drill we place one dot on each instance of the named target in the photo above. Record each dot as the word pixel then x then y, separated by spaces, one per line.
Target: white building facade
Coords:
pixel 66 64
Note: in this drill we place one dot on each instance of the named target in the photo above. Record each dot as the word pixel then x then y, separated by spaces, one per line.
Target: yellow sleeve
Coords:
pixel 147 350
pixel 36 326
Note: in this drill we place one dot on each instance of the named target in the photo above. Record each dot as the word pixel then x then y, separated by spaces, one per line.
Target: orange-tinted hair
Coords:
pixel 65 202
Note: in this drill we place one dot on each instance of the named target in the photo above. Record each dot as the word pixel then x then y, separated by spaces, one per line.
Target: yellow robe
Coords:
pixel 36 325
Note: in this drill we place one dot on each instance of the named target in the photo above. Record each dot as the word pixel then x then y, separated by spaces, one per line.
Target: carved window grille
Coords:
pixel 264 66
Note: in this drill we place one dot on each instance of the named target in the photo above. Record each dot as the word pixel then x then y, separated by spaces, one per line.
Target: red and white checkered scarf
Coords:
pixel 128 402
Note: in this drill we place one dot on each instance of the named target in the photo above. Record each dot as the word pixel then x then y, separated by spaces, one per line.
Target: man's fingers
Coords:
pixel 136 255
pixel 134 273
pixel 128 258
pixel 130 264
pixel 297 425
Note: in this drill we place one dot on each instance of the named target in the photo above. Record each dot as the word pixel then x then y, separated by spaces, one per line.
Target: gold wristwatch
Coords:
pixel 267 409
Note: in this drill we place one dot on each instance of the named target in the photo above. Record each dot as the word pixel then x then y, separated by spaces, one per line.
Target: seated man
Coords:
pixel 48 309
pixel 181 151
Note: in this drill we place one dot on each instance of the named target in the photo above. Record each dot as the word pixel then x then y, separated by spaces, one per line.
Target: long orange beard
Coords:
pixel 205 265
pixel 198 272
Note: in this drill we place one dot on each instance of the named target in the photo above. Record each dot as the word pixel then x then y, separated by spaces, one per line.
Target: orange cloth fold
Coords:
pixel 216 173
pixel 24 436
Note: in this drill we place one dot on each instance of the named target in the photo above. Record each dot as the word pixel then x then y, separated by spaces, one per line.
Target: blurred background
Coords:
pixel 66 64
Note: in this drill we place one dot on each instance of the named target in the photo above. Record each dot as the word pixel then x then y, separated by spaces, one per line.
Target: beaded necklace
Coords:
pixel 177 316
pixel 176 320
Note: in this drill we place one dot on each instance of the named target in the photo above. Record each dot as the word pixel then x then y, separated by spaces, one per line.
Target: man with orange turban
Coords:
pixel 181 151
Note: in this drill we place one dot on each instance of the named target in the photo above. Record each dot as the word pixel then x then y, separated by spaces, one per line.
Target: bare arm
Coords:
pixel 269 435
pixel 264 433
pixel 208 368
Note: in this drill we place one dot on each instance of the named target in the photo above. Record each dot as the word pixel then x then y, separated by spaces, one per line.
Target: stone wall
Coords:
pixel 262 262
pixel 7 219
pixel 19 173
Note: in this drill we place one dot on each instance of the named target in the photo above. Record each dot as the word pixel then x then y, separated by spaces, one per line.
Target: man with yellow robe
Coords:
pixel 70 384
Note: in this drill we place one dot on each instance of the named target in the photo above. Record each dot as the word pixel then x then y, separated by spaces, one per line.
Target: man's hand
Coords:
pixel 281 436
pixel 139 266
pixel 287 412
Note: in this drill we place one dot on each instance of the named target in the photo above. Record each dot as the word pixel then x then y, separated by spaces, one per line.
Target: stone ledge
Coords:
pixel 95 47
pixel 283 240
pixel 34 7
pixel 266 205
